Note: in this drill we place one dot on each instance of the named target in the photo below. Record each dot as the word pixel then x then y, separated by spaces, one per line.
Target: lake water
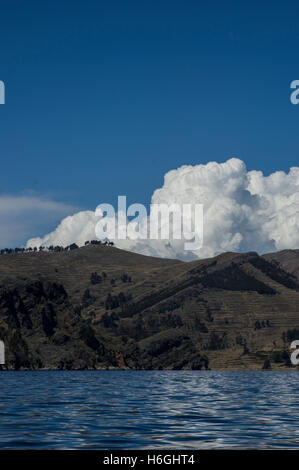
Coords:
pixel 149 409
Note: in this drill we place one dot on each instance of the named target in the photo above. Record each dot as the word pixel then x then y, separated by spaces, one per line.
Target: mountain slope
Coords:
pixel 100 307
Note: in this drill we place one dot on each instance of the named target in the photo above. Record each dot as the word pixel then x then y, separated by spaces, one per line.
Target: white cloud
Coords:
pixel 22 216
pixel 75 228
pixel 243 211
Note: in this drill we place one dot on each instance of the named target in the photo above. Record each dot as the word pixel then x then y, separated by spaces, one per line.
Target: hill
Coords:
pixel 99 307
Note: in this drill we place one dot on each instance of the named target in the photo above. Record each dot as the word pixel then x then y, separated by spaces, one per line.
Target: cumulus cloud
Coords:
pixel 22 216
pixel 243 211
pixel 75 228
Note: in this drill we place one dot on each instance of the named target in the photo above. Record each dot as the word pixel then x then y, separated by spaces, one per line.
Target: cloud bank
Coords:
pixel 21 216
pixel 243 211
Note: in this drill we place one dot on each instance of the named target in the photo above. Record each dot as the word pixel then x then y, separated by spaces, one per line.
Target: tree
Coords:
pixel 95 278
pixel 73 246
pixel 86 298
pixel 267 364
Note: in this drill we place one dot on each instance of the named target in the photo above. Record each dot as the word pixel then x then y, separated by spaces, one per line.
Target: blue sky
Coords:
pixel 104 97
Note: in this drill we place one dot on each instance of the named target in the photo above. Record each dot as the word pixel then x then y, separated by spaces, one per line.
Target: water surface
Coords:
pixel 149 409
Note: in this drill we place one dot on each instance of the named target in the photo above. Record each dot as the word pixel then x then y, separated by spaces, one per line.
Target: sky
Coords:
pixel 103 98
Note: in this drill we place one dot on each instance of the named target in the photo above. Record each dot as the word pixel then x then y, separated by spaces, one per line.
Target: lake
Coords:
pixel 149 409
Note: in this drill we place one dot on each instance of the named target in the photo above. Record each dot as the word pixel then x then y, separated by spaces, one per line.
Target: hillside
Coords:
pixel 99 307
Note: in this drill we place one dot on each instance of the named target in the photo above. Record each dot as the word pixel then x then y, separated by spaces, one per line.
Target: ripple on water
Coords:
pixel 148 409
